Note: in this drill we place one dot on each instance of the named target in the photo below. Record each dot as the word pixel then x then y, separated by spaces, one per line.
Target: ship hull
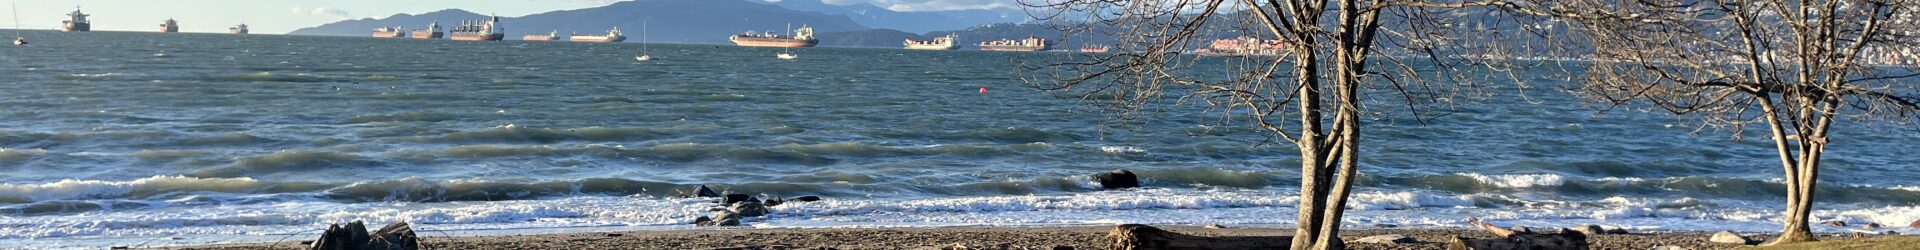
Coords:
pixel 379 34
pixel 83 27
pixel 1013 48
pixel 772 42
pixel 597 39
pixel 930 47
pixel 539 38
pixel 478 37
pixel 170 30
pixel 428 35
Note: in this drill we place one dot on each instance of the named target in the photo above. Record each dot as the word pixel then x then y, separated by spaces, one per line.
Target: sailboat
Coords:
pixel 784 53
pixel 643 45
pixel 17 39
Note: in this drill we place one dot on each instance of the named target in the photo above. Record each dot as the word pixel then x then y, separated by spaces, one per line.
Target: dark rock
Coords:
pixel 1118 179
pixel 1871 225
pixel 1729 237
pixel 1835 223
pixel 811 198
pixel 1617 231
pixel 704 192
pixel 772 201
pixel 1062 248
pixel 1383 225
pixel 703 221
pixel 1521 229
pixel 1890 232
pixel 1590 229
pixel 1387 239
pixel 1667 248
pixel 749 209
pixel 396 236
pixel 726 218
pixel 736 198
pixel 615 235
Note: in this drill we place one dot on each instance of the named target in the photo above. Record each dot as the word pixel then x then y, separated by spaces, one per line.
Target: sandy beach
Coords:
pixel 1078 237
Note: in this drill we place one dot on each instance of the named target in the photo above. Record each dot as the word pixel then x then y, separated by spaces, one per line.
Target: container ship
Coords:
pixel 432 32
pixel 801 38
pixel 1243 46
pixel 389 32
pixel 1030 44
pixel 1095 49
pixel 238 30
pixel 941 43
pixel 480 30
pixel 613 36
pixel 76 23
pixel 550 36
pixel 170 26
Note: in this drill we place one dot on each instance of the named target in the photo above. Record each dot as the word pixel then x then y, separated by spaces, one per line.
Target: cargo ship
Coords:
pixel 1095 49
pixel 388 32
pixel 1243 46
pixel 480 30
pixel 550 36
pixel 170 26
pixel 238 30
pixel 801 38
pixel 432 32
pixel 941 43
pixel 1030 44
pixel 77 22
pixel 613 36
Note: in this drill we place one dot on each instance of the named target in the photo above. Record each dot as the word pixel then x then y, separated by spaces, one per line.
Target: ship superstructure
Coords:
pixel 238 30
pixel 389 32
pixel 431 32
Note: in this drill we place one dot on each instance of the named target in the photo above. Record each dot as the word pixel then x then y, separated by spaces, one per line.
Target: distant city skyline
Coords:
pixel 278 17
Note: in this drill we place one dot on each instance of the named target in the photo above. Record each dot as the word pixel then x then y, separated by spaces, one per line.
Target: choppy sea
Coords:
pixel 115 139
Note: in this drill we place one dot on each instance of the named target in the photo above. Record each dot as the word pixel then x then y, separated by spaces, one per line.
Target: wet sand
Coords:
pixel 1080 237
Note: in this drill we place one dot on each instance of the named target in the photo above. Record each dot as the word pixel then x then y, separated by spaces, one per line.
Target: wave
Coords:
pixel 271 77
pixel 142 188
pixel 415 116
pixel 514 133
pixel 286 161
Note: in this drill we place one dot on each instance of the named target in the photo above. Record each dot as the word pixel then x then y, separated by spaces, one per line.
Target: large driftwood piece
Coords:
pixel 1511 240
pixel 1144 237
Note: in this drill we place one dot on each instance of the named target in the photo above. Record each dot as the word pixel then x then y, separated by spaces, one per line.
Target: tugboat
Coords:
pixel 77 22
pixel 238 30
pixel 170 26
pixel 432 32
pixel 942 43
pixel 480 30
pixel 613 36
pixel 800 38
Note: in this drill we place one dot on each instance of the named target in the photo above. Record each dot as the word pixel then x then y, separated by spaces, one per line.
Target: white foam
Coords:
pixel 1122 149
pixel 71 189
pixel 1518 180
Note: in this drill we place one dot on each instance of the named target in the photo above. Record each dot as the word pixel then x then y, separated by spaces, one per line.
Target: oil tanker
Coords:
pixel 1030 44
pixel 942 43
pixel 432 32
pixel 170 26
pixel 480 30
pixel 613 36
pixel 389 32
pixel 77 22
pixel 801 38
pixel 238 30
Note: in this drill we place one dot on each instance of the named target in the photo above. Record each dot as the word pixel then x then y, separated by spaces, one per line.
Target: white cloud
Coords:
pixel 322 11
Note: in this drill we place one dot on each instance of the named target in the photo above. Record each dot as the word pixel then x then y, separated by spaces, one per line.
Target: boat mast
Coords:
pixel 643 37
pixel 16 19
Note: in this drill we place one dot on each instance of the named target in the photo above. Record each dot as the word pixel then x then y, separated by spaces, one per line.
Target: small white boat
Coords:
pixel 642 58
pixel 786 56
pixel 643 45
pixel 19 41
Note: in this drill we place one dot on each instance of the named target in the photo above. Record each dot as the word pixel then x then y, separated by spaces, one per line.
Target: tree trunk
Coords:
pixel 1796 228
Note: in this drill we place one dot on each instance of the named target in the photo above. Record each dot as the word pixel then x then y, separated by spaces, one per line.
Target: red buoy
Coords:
pixel 983 90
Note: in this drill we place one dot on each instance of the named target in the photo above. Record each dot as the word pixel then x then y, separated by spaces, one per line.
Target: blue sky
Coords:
pixel 281 16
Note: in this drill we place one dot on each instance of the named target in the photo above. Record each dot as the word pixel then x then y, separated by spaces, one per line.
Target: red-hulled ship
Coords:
pixel 480 30
pixel 801 38
pixel 389 32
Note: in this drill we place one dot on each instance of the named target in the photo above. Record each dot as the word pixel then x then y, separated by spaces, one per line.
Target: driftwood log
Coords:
pixel 1511 240
pixel 1144 237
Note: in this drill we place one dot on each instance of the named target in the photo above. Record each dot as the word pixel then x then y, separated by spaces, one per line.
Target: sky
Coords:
pixel 282 16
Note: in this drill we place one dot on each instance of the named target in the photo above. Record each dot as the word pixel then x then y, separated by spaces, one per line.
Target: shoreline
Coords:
pixel 993 237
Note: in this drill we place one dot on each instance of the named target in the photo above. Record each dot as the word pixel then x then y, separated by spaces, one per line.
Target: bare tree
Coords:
pixel 1305 79
pixel 1790 66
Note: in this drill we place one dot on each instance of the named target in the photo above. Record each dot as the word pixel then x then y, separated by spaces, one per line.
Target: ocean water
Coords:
pixel 111 139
